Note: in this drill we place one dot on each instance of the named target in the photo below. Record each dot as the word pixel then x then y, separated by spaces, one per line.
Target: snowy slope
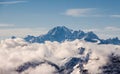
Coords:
pixel 62 33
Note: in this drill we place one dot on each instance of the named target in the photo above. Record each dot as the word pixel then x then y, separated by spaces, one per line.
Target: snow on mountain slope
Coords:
pixel 62 33
pixel 69 57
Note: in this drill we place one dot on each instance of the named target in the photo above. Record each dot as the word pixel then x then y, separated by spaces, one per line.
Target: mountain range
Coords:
pixel 74 52
pixel 62 33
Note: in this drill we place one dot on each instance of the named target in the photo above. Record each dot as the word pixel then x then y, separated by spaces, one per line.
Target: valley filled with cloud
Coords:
pixel 20 57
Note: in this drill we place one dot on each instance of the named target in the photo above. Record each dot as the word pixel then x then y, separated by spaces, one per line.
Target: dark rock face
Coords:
pixel 81 50
pixel 13 37
pixel 113 66
pixel 34 64
pixel 27 65
pixel 115 41
pixel 70 64
pixel 91 37
pixel 67 68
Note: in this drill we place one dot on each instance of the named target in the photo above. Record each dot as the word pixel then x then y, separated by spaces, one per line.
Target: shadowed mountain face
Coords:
pixel 115 41
pixel 112 66
pixel 66 68
pixel 62 33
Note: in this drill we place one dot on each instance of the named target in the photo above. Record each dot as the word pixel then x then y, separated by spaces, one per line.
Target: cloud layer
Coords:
pixel 115 16
pixel 7 25
pixel 15 52
pixel 88 12
pixel 78 12
pixel 106 32
pixel 11 2
pixel 7 31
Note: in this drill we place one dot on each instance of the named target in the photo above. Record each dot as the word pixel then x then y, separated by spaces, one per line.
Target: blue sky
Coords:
pixel 35 17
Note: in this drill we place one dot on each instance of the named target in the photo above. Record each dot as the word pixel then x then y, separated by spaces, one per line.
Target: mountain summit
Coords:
pixel 62 33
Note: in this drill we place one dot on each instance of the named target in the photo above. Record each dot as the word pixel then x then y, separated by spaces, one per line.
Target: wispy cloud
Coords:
pixel 111 28
pixel 108 28
pixel 7 25
pixel 88 12
pixel 21 32
pixel 115 16
pixel 107 32
pixel 8 30
pixel 80 12
pixel 11 2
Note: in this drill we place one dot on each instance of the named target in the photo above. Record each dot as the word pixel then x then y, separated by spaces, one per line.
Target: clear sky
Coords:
pixel 35 17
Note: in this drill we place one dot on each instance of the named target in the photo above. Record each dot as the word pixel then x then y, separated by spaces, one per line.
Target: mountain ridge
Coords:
pixel 62 33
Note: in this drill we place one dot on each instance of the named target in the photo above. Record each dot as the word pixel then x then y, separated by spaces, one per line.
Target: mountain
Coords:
pixel 115 41
pixel 80 64
pixel 62 33
pixel 112 66
pixel 66 68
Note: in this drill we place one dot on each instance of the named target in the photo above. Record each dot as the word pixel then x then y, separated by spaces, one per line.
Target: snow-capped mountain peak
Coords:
pixel 59 29
pixel 62 33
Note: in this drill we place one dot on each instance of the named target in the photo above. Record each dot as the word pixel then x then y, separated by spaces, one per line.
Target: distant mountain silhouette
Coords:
pixel 62 33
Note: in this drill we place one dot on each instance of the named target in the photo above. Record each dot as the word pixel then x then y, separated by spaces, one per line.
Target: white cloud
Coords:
pixel 11 2
pixel 42 69
pixel 21 32
pixel 8 30
pixel 7 25
pixel 107 32
pixel 115 16
pixel 112 28
pixel 16 52
pixel 80 12
pixel 88 12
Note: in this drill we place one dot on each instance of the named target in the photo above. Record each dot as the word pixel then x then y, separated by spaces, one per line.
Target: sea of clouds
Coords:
pixel 15 52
